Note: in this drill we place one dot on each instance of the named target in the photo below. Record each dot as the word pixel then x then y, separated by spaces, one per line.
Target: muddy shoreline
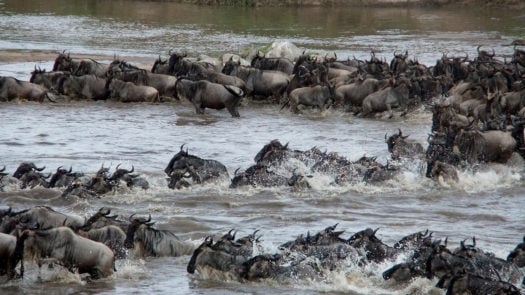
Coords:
pixel 39 56
pixel 514 4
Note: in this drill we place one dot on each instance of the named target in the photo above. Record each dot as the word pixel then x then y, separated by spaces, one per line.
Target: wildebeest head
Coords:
pixel 25 168
pixel 517 256
pixel 375 249
pixel 414 240
pixel 192 265
pixel 135 223
pixel 177 161
pixel 273 151
pixel 174 61
pixel 63 62
pixel 259 267
pixel 101 213
pixel 60 176
pixel 394 139
pixel 399 63
pixel 120 173
pixel 230 66
pixel 160 66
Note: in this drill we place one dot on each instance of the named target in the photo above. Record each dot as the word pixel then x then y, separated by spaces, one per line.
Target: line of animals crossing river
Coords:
pixel 478 116
pixel 91 245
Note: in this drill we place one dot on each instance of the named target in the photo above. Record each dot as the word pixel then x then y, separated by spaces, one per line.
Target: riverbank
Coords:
pixel 511 4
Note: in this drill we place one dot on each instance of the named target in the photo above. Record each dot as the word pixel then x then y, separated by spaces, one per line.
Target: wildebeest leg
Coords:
pixel 233 111
pixel 390 113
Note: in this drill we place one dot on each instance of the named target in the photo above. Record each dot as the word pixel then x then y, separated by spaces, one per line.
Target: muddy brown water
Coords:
pixel 487 202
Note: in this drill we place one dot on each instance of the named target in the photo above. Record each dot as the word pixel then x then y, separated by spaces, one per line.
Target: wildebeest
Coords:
pixel 44 216
pixel 282 64
pixel 63 177
pixel 64 62
pixel 7 255
pixel 259 82
pixel 397 95
pixel 353 94
pixel 321 96
pixel 181 67
pixel 467 283
pixel 165 84
pixel 207 258
pixel 400 147
pixel 160 66
pixel 517 256
pixel 374 249
pixel 50 80
pixel 129 92
pixel 204 94
pixel 149 241
pixel 91 67
pixel 258 176
pixel 109 235
pixel 12 88
pixel 83 87
pixel 275 267
pixel 198 169
pixel 62 245
pixel 487 146
pixel 102 218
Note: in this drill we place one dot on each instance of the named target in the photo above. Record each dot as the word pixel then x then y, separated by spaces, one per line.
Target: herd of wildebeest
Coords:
pixel 91 245
pixel 478 116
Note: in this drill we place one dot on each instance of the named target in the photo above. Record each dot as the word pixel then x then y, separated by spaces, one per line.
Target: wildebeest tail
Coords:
pixel 233 91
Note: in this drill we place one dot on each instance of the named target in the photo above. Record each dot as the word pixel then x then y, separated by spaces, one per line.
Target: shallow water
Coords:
pixel 486 202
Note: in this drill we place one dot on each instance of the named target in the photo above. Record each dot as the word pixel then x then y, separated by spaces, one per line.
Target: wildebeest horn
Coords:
pixel 40 169
pixel 236 170
pixel 131 216
pixel 149 218
pixel 182 146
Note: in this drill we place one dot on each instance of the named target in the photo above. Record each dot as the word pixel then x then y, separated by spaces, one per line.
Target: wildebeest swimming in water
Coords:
pixel 148 241
pixel 400 147
pixel 186 166
pixel 62 245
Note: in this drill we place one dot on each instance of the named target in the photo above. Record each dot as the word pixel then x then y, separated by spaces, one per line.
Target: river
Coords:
pixel 486 203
